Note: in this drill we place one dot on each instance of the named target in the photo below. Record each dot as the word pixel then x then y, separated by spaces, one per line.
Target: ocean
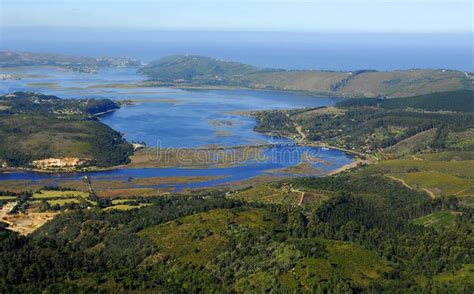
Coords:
pixel 318 51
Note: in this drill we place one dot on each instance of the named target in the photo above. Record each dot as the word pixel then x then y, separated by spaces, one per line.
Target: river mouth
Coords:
pixel 175 119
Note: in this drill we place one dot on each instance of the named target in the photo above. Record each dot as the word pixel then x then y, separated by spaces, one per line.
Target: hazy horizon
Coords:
pixel 290 34
pixel 289 50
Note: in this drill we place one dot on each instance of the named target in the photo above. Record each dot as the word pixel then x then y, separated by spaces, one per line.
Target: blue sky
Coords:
pixel 387 16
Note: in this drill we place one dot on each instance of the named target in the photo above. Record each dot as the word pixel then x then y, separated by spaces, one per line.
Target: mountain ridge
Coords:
pixel 195 70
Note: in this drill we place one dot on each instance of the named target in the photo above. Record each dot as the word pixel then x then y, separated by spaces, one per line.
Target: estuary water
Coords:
pixel 175 118
pixel 275 158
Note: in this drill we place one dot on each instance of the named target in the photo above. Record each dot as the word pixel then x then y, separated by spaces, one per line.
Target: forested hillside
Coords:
pixel 364 238
pixel 456 101
pixel 439 121
pixel 35 127
pixel 189 68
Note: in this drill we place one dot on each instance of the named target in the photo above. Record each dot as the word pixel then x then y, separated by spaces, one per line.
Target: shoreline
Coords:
pixel 151 83
pixel 190 87
pixel 320 144
pixel 356 159
pixel 347 167
pixel 99 114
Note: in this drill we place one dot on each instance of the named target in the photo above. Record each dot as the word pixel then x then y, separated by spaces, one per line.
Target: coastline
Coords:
pixel 130 165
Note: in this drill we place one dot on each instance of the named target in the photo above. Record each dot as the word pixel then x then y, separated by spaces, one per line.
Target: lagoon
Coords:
pixel 177 118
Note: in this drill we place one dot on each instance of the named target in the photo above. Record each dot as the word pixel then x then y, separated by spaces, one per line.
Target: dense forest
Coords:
pixel 457 101
pixel 35 126
pixel 210 243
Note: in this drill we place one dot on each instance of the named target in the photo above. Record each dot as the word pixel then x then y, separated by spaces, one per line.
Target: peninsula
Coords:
pixel 199 71
pixel 46 132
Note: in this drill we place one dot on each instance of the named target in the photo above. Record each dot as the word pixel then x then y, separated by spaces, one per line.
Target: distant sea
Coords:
pixel 323 51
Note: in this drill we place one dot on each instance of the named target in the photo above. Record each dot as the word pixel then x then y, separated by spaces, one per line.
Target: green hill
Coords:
pixel 204 71
pixel 195 69
pixel 36 127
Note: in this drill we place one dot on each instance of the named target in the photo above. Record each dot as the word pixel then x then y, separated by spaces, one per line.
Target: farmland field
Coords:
pixel 439 219
pixel 46 194
pixel 443 174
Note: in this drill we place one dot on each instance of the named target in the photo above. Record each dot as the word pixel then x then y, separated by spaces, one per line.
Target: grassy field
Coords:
pixel 64 197
pixel 448 156
pixel 461 279
pixel 272 194
pixel 61 202
pixel 125 206
pixel 404 83
pixel 119 201
pixel 265 194
pixel 331 110
pixel 313 81
pixel 440 184
pixel 133 192
pixel 7 198
pixel 442 174
pixel 412 144
pixel 439 219
pixel 59 194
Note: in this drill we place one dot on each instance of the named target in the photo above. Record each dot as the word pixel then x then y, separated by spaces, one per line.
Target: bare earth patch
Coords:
pixel 22 223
